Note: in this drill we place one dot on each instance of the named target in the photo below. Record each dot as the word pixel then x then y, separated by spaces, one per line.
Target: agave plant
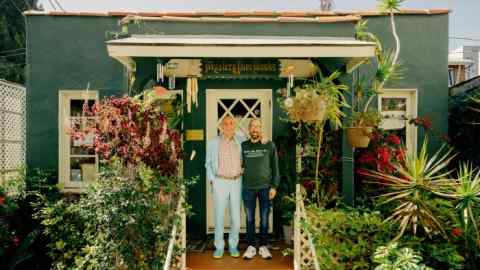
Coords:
pixel 412 186
pixel 466 193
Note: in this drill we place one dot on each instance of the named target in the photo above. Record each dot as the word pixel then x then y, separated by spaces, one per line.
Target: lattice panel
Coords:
pixel 304 251
pixel 13 97
pixel 12 127
pixel 14 155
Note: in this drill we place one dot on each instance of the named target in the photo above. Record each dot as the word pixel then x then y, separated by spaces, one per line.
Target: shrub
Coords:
pixel 347 238
pixel 120 223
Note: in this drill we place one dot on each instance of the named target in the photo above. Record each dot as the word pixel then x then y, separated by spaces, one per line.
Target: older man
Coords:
pixel 224 171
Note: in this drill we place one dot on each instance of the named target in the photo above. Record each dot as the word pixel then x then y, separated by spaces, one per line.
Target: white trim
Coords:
pixel 412 112
pixel 64 97
pixel 122 51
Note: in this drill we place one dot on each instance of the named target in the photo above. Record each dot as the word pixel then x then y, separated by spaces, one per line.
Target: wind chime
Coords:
pixel 291 79
pixel 171 67
pixel 192 93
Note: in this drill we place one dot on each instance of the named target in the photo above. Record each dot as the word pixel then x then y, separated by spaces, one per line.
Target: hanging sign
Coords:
pixel 240 68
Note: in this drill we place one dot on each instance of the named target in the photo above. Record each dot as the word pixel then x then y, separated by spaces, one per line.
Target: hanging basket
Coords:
pixel 359 137
pixel 309 109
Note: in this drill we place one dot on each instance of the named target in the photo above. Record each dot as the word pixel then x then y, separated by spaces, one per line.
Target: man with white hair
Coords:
pixel 224 171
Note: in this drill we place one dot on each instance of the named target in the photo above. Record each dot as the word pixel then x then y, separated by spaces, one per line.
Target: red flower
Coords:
pixel 308 185
pixel 2 200
pixel 366 158
pixel 393 139
pixel 400 155
pixel 456 232
pixel 383 154
pixel 16 241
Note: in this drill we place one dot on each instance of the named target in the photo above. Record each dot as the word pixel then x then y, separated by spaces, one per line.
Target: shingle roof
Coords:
pixel 243 16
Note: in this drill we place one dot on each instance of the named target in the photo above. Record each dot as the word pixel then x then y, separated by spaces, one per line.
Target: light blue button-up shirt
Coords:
pixel 211 159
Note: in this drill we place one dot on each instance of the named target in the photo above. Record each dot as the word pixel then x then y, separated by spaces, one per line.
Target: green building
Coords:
pixel 230 62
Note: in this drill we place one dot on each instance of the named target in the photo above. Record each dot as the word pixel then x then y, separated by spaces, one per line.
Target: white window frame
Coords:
pixel 64 142
pixel 411 96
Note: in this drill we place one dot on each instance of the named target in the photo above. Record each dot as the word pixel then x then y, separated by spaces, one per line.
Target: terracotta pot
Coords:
pixel 359 137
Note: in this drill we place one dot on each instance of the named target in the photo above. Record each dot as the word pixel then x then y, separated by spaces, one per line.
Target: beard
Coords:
pixel 255 135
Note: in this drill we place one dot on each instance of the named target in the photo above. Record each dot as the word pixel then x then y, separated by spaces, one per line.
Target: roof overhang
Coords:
pixel 207 46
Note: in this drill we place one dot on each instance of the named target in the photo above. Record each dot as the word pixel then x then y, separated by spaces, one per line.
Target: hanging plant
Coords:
pixel 318 102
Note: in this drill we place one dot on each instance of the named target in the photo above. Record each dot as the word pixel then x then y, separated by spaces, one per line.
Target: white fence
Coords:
pixel 12 127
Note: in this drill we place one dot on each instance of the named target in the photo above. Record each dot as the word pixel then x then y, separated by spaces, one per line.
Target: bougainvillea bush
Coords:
pixel 133 131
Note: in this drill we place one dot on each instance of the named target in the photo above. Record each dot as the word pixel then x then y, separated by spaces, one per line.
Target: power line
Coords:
pixel 15 5
pixel 13 50
pixel 11 55
pixel 465 38
pixel 27 4
pixel 59 6
pixel 52 5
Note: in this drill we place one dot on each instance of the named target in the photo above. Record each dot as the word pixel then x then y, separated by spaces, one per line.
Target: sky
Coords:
pixel 463 18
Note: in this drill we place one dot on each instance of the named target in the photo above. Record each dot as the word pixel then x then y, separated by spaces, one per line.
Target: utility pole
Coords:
pixel 326 5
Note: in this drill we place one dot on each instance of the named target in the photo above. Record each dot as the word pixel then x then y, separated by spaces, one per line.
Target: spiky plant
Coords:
pixel 466 193
pixel 411 188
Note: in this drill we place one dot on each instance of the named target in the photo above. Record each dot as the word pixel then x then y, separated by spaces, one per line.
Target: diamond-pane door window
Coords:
pixel 242 110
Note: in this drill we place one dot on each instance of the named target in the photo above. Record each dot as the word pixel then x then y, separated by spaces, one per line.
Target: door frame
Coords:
pixel 213 94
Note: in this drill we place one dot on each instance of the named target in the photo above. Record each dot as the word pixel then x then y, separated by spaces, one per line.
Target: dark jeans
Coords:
pixel 250 203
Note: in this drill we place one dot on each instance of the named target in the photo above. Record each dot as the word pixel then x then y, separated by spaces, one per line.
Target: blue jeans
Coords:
pixel 250 203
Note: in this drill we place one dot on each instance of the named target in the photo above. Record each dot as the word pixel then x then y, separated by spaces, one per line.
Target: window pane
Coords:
pixel 82 169
pixel 394 104
pixel 76 106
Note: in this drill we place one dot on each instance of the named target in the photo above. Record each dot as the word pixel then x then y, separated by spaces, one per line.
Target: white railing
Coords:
pixel 304 256
pixel 178 238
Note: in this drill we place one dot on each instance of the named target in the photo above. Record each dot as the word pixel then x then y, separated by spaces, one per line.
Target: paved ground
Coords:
pixel 205 261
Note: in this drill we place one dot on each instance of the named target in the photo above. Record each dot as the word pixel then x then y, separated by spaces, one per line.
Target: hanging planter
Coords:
pixel 361 127
pixel 306 106
pixel 359 137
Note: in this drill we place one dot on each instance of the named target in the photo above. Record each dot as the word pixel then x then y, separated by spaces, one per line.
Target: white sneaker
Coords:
pixel 264 252
pixel 250 253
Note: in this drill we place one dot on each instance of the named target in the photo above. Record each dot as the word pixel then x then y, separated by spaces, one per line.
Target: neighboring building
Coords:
pixel 68 51
pixel 464 120
pixel 463 64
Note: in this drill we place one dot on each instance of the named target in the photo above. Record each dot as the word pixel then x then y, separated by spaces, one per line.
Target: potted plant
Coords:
pixel 361 126
pixel 363 119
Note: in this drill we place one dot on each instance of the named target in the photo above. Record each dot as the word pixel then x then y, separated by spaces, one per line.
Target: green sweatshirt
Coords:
pixel 260 163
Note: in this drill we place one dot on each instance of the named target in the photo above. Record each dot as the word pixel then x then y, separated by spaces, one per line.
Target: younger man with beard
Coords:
pixel 260 180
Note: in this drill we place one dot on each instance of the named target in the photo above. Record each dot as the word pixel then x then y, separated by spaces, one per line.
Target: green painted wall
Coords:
pixel 424 60
pixel 69 52
pixel 63 53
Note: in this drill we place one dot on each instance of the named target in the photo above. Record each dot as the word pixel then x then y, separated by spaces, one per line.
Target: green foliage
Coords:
pixel 436 252
pixel 121 222
pixel 369 118
pixel 346 238
pixel 390 5
pixel 411 187
pixel 391 257
pixel 12 39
